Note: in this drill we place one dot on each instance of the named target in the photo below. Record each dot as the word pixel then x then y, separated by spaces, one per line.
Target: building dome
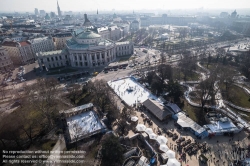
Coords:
pixel 135 21
pixel 88 35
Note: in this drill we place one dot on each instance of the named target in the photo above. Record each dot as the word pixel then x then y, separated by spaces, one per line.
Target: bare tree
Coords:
pixel 162 58
pixel 187 66
pixel 205 93
pixel 165 72
pixel 2 92
pixel 45 103
pixel 101 93
pixel 74 92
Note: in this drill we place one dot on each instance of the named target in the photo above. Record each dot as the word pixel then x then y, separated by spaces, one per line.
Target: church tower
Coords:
pixel 58 10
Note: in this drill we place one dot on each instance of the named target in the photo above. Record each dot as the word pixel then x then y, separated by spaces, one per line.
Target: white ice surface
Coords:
pixel 139 93
pixel 82 124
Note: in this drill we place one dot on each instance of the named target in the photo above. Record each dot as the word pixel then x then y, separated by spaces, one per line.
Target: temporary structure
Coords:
pixel 140 127
pixel 170 154
pixel 173 162
pixel 149 131
pixel 182 123
pixel 153 136
pixel 134 118
pixel 164 148
pixel 162 140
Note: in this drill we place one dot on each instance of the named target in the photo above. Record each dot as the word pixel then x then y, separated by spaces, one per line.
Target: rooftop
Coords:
pixel 87 35
pixel 223 125
pixel 38 40
pixel 83 125
pixel 75 109
pixel 121 43
pixel 72 44
pixel 24 43
pixel 157 108
pixel 51 52
pixel 189 122
pixel 66 34
pixel 174 107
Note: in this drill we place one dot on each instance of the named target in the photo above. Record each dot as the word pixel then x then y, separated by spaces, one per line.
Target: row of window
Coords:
pixel 122 53
pixel 56 65
pixel 121 48
pixel 81 64
pixel 93 57
pixel 56 58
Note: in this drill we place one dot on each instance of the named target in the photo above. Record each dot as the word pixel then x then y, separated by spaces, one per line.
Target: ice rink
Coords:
pixel 82 124
pixel 130 91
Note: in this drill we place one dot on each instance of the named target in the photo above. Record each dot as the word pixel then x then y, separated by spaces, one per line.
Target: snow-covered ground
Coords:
pixel 137 92
pixel 83 124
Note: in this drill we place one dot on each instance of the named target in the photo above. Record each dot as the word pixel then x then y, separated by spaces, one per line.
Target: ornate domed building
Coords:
pixel 88 49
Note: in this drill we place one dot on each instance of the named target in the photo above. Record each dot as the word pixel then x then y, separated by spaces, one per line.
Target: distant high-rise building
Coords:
pixel 42 12
pixel 58 10
pixel 234 14
pixel 36 11
pixel 52 14
pixel 47 17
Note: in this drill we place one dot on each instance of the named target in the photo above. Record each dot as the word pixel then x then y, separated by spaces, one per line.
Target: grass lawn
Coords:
pixel 190 110
pixel 179 75
pixel 239 97
pixel 244 115
pixel 48 145
pixel 84 99
pixel 63 71
pixel 231 69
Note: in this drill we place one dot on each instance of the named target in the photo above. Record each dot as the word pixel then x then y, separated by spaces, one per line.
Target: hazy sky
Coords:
pixel 88 5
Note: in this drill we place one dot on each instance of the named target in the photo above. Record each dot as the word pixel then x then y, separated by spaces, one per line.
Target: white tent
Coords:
pixel 173 162
pixel 164 148
pixel 170 154
pixel 140 127
pixel 162 140
pixel 153 136
pixel 134 118
pixel 149 130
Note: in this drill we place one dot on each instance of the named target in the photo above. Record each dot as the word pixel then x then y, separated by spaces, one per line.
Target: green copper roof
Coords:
pixel 87 35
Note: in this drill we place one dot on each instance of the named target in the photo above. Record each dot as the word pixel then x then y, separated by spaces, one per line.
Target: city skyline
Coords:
pixel 111 5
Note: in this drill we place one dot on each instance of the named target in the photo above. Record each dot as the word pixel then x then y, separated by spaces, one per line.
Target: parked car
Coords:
pixel 22 80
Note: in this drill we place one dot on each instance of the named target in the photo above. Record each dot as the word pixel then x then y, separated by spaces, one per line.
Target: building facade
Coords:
pixel 42 44
pixel 52 59
pixel 88 49
pixel 135 25
pixel 19 52
pixel 5 61
pixel 60 40
pixel 115 32
pixel 124 48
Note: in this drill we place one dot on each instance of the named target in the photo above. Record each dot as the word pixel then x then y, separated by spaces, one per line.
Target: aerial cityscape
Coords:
pixel 125 83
